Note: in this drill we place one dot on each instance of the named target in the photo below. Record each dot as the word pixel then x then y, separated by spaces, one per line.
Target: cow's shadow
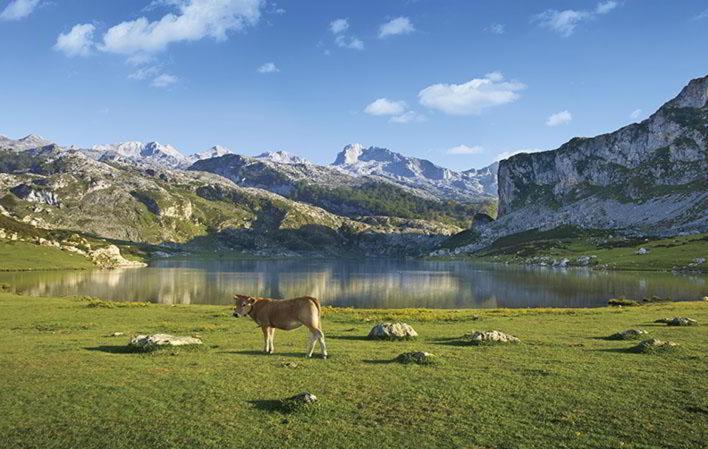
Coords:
pixel 300 355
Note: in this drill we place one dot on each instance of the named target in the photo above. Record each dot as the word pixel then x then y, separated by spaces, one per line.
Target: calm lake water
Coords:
pixel 360 283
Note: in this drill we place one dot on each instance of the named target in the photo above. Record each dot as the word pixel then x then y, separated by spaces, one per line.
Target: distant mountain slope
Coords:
pixel 421 174
pixel 649 178
pixel 25 143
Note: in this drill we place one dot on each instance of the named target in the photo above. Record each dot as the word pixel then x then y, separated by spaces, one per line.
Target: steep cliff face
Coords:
pixel 651 176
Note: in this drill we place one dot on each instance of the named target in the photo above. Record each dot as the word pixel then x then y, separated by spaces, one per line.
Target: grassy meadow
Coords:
pixel 25 256
pixel 66 383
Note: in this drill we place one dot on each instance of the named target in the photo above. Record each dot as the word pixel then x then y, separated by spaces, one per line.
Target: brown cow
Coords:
pixel 285 314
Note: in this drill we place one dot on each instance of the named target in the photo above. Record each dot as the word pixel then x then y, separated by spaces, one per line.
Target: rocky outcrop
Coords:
pixel 648 176
pixel 628 334
pixel 418 357
pixel 489 337
pixel 156 341
pixel 110 257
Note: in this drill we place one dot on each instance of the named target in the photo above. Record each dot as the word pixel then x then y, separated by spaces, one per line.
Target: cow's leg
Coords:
pixel 266 339
pixel 271 335
pixel 311 343
pixel 323 346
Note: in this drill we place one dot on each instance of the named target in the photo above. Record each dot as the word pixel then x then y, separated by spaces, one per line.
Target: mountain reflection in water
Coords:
pixel 373 283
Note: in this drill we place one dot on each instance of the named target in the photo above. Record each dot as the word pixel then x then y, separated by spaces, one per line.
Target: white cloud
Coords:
pixel 496 28
pixel 268 67
pixel 605 7
pixel 635 114
pixel 559 118
pixel 471 97
pixel 407 117
pixel 164 80
pixel 18 9
pixel 77 42
pixel 564 22
pixel 145 73
pixel 384 106
pixel 507 154
pixel 351 43
pixel 399 25
pixel 464 149
pixel 193 20
pixel 339 26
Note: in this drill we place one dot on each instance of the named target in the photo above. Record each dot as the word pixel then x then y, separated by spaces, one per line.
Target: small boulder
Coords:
pixel 116 334
pixel 629 334
pixel 653 345
pixel 641 251
pixel 419 357
pixel 298 402
pixel 392 331
pixel 678 321
pixel 151 342
pixel 489 337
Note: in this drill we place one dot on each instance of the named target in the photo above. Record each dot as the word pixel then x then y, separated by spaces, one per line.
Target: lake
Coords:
pixel 374 283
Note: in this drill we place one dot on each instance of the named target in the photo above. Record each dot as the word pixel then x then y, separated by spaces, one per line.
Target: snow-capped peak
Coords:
pixel 350 154
pixel 151 153
pixel 215 151
pixel 282 157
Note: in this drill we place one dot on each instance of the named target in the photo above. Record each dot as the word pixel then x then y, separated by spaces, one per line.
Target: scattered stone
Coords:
pixel 421 358
pixel 117 334
pixel 678 321
pixel 584 261
pixel 151 342
pixel 486 337
pixel 641 251
pixel 289 365
pixel 298 401
pixel 562 263
pixel 699 260
pixel 653 345
pixel 629 334
pixel 392 331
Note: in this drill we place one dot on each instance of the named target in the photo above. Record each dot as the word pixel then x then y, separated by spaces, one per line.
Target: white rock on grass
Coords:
pixel 482 337
pixel 628 334
pixel 149 342
pixel 641 251
pixel 392 331
pixel 303 398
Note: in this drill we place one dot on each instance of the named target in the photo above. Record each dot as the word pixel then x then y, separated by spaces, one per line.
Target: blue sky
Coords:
pixel 459 82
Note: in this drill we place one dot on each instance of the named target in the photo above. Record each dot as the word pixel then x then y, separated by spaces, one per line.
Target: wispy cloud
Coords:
pixel 559 118
pixel 397 26
pixel 635 114
pixel 164 80
pixel 339 28
pixel 268 67
pixel 464 149
pixel 19 9
pixel 471 97
pixel 77 42
pixel 565 22
pixel 507 154
pixel 496 28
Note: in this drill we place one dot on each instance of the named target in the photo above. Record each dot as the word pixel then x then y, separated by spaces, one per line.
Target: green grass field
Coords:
pixel 615 254
pixel 28 256
pixel 66 384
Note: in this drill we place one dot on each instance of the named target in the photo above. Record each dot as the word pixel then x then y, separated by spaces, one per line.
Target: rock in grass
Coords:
pixel 629 334
pixel 419 357
pixel 392 331
pixel 653 345
pixel 298 402
pixel 150 342
pixel 489 337
pixel 116 334
pixel 678 321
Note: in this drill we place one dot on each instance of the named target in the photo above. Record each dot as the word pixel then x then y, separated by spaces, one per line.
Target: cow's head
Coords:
pixel 243 305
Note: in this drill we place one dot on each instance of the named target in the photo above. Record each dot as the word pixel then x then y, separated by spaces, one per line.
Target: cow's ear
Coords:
pixel 251 300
